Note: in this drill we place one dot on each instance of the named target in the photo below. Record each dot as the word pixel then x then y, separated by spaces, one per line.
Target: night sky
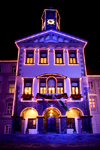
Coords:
pixel 81 19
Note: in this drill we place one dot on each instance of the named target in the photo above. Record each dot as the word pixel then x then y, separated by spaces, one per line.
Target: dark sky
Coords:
pixel 81 19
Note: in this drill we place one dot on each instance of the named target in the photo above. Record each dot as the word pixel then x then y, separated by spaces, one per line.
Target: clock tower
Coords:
pixel 50 19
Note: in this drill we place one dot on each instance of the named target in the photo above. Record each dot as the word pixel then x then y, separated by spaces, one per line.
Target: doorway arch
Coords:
pixel 51 121
pixel 29 122
pixel 74 122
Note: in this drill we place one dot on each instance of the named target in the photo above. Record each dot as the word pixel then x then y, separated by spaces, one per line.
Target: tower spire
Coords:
pixel 50 18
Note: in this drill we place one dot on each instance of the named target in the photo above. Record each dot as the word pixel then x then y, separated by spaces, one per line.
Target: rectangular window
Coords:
pixel 43 57
pixel 11 88
pixel 28 87
pixel 92 102
pixel 31 123
pixel 42 87
pixel 29 57
pixel 91 85
pixel 72 58
pixel 9 108
pixel 7 129
pixel 59 56
pixel 60 87
pixel 13 69
pixel 71 123
pixel 75 87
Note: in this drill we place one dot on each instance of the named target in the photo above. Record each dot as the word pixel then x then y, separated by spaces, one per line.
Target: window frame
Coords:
pixel 11 88
pixel 11 107
pixel 9 127
pixel 92 102
pixel 58 81
pixel 43 51
pixel 59 51
pixel 53 88
pixel 26 51
pixel 75 80
pixel 13 69
pixel 42 81
pixel 73 51
pixel 27 81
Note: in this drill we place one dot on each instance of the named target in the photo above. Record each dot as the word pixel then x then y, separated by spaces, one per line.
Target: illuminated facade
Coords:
pixel 7 84
pixel 51 94
pixel 94 101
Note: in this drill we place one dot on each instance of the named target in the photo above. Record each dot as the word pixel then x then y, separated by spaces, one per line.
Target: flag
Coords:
pixel 65 107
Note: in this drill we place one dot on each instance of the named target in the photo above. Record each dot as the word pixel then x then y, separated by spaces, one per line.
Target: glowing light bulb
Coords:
pixel 51 111
pixel 71 111
pixel 51 114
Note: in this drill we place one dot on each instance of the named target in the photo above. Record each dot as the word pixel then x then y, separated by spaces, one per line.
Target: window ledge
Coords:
pixel 43 64
pixel 74 64
pixel 59 64
pixel 29 64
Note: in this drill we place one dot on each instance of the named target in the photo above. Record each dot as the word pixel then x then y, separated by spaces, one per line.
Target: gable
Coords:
pixel 50 36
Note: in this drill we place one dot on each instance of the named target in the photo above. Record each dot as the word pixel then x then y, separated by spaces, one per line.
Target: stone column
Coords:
pixel 40 124
pixel 16 124
pixel 63 124
pixel 86 124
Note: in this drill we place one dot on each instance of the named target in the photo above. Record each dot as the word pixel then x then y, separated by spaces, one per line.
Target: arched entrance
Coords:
pixel 74 123
pixel 51 121
pixel 29 121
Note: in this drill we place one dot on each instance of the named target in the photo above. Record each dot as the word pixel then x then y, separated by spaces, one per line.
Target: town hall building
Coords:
pixel 51 93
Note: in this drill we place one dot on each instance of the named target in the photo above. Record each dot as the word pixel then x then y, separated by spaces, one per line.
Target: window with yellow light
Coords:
pixel 75 88
pixel 29 57
pixel 28 87
pixel 72 58
pixel 59 57
pixel 43 57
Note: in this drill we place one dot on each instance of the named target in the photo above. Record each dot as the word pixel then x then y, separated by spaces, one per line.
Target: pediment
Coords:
pixel 50 36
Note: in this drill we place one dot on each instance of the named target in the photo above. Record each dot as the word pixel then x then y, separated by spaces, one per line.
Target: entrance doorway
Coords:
pixel 51 124
pixel 74 123
pixel 51 121
pixel 29 121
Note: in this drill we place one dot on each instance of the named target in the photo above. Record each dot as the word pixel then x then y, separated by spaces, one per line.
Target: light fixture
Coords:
pixel 71 111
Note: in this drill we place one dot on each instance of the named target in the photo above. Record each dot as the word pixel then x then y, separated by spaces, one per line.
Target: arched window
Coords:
pixel 51 85
pixel 7 129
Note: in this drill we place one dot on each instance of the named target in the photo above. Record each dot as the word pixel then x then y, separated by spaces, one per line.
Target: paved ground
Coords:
pixel 50 142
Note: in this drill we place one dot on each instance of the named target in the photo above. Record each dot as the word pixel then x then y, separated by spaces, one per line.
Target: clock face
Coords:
pixel 51 21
